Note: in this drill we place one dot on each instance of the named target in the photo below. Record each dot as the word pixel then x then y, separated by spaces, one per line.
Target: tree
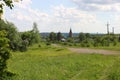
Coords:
pixel 4 53
pixel 59 36
pixel 27 38
pixel 13 34
pixel 52 36
pixel 31 37
pixel 4 41
pixel 35 33
pixel 87 35
pixel 82 37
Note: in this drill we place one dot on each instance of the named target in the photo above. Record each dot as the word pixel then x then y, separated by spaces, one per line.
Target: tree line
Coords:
pixel 85 39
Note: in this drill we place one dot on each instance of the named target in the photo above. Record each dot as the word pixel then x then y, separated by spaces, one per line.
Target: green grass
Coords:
pixel 50 63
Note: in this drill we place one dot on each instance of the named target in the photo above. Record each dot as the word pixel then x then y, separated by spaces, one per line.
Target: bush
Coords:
pixel 65 43
pixel 70 44
pixel 39 45
pixel 23 48
pixel 4 54
pixel 48 43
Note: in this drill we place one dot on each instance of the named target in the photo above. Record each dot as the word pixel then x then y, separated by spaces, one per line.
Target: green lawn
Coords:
pixel 50 63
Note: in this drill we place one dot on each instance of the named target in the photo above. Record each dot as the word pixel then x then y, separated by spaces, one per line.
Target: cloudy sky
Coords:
pixel 60 15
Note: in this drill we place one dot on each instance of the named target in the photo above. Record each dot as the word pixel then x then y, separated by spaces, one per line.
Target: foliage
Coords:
pixel 97 40
pixel 59 36
pixel 87 43
pixel 52 37
pixel 71 40
pixel 35 33
pixel 31 37
pixel 82 37
pixel 4 53
pixel 8 3
pixel 13 34
pixel 48 43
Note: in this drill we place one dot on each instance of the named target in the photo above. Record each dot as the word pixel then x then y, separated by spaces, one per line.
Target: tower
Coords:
pixel 70 33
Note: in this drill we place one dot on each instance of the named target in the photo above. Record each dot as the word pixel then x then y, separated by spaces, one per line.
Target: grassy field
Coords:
pixel 50 63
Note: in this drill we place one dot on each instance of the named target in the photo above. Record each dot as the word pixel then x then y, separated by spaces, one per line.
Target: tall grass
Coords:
pixel 50 63
pixel 113 72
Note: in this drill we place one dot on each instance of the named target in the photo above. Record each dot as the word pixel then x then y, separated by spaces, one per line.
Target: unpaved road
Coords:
pixel 91 51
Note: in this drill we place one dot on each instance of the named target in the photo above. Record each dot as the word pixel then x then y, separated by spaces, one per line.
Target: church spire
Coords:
pixel 70 33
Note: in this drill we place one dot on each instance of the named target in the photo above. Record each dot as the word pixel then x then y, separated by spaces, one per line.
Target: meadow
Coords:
pixel 58 63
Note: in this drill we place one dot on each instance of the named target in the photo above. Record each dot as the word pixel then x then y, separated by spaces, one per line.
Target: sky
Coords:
pixel 88 16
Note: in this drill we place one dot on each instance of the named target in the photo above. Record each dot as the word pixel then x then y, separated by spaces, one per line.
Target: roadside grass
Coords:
pixel 51 63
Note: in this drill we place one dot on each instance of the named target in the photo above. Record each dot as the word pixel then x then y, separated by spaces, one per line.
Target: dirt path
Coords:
pixel 90 51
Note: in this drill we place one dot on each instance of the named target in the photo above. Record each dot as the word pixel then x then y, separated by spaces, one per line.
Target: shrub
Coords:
pixel 65 43
pixel 70 44
pixel 39 45
pixel 4 54
pixel 48 43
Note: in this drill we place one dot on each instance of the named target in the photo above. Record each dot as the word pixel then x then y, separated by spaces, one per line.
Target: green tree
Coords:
pixel 31 37
pixel 27 38
pixel 97 41
pixel 87 35
pixel 4 53
pixel 82 37
pixel 35 33
pixel 52 36
pixel 13 34
pixel 71 40
pixel 59 36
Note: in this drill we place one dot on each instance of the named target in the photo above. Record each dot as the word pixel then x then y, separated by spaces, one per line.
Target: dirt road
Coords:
pixel 90 51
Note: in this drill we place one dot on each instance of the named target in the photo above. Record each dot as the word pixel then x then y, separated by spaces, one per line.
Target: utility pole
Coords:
pixel 108 28
pixel 113 30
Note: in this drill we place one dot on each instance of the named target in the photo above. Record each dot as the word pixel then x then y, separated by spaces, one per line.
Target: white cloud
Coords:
pixel 73 15
pixel 98 5
pixel 20 16
pixel 63 18
pixel 60 19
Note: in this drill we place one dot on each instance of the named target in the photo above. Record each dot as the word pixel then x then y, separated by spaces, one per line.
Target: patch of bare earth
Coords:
pixel 91 51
